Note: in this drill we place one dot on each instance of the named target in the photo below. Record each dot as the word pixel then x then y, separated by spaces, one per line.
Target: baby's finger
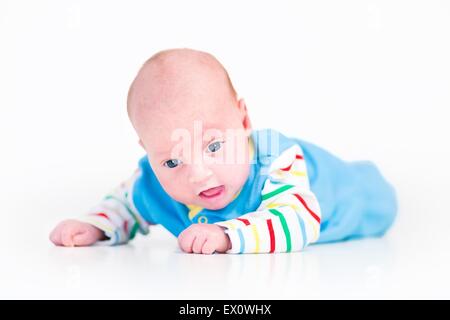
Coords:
pixel 66 237
pixel 198 244
pixel 209 247
pixel 83 239
pixel 185 241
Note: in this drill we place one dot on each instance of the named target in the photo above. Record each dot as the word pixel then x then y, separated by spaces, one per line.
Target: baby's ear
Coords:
pixel 241 104
pixel 246 119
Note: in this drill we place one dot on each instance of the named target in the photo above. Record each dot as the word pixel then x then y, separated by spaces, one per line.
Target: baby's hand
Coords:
pixel 204 238
pixel 71 233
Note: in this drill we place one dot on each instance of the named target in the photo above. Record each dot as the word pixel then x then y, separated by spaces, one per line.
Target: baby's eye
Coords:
pixel 215 146
pixel 172 163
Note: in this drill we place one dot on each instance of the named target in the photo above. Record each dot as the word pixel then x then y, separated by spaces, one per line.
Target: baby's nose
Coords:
pixel 199 174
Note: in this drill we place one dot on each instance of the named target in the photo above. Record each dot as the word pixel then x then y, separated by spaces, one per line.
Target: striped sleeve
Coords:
pixel 288 218
pixel 116 215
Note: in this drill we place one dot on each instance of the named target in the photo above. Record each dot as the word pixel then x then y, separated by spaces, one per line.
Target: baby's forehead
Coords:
pixel 162 135
pixel 185 124
pixel 199 102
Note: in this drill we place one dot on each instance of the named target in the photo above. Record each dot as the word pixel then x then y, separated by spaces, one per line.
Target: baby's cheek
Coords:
pixel 179 192
pixel 234 175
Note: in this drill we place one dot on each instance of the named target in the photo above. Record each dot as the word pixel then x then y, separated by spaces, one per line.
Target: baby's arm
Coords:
pixel 113 221
pixel 288 218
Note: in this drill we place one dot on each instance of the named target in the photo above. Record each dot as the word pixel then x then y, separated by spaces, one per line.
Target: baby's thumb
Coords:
pixel 84 239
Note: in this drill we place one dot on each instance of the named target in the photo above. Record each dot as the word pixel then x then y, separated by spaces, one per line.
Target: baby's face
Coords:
pixel 198 148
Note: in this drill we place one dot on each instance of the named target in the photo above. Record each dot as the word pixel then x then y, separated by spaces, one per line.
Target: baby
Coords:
pixel 220 186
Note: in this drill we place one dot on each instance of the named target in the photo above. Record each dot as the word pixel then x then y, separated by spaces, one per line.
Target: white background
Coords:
pixel 363 79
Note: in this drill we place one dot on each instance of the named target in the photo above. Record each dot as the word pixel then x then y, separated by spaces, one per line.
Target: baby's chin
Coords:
pixel 215 206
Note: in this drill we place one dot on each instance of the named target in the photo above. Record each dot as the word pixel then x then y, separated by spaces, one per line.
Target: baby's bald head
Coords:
pixel 173 78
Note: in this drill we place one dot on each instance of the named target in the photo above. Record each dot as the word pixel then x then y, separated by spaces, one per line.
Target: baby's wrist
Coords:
pixel 229 246
pixel 99 234
pixel 227 243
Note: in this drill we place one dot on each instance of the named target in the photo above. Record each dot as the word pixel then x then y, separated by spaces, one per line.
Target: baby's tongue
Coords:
pixel 211 192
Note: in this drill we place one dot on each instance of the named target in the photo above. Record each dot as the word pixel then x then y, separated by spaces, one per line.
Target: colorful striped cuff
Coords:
pixel 236 239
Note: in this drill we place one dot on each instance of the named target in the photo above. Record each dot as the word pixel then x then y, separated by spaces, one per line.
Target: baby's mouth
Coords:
pixel 212 193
